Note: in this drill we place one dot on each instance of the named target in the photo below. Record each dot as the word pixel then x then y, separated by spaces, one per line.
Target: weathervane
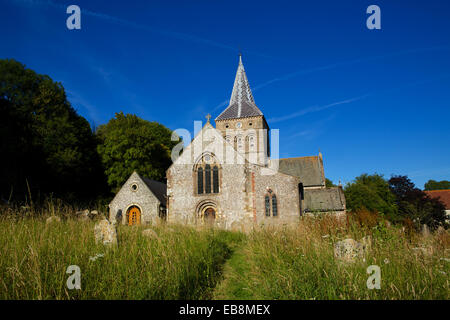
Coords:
pixel 208 116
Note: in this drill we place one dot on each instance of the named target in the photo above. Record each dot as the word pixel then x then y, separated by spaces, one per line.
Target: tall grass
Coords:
pixel 182 264
pixel 298 263
pixel 295 262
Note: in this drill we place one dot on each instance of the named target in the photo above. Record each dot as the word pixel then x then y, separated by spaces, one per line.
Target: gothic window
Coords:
pixel 240 144
pixel 200 180
pixel 274 206
pixel 251 142
pixel 207 175
pixel 207 178
pixel 216 179
pixel 271 204
pixel 267 201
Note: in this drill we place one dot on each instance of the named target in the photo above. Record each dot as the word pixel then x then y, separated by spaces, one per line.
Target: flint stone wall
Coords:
pixel 143 198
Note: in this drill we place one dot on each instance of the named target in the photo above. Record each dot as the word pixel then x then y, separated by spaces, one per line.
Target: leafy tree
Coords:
pixel 329 183
pixel 130 143
pixel 415 204
pixel 44 142
pixel 370 192
pixel 437 185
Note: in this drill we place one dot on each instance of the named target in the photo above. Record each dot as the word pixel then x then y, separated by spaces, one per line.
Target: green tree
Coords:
pixel 415 204
pixel 372 193
pixel 130 143
pixel 329 183
pixel 437 185
pixel 44 142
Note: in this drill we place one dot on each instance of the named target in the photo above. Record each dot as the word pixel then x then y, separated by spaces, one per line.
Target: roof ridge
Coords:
pixel 298 157
pixel 436 190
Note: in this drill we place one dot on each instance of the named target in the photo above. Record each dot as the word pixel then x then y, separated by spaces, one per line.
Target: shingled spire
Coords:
pixel 242 104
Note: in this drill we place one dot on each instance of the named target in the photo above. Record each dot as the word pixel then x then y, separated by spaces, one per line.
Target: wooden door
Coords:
pixel 134 216
pixel 210 216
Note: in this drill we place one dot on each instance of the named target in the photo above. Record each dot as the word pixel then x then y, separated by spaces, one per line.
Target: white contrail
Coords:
pixel 346 63
pixel 315 109
pixel 173 34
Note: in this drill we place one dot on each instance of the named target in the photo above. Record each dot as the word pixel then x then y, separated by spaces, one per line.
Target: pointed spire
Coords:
pixel 242 103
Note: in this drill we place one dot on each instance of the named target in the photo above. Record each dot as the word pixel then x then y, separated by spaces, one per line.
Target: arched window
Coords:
pixel 207 178
pixel 267 201
pixel 274 206
pixel 200 180
pixel 216 179
pixel 207 175
pixel 271 204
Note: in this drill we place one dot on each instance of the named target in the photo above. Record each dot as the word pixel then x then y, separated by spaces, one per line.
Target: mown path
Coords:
pixel 234 271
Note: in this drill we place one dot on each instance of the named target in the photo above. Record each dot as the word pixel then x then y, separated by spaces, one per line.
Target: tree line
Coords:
pixel 397 199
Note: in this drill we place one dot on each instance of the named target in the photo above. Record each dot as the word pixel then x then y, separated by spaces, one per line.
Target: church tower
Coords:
pixel 243 124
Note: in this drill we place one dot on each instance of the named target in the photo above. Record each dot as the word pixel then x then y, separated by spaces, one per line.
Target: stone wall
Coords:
pixel 185 205
pixel 143 198
pixel 285 188
pixel 251 138
pixel 240 202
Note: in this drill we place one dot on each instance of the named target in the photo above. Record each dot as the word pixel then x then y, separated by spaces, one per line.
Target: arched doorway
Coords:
pixel 133 216
pixel 207 212
pixel 209 216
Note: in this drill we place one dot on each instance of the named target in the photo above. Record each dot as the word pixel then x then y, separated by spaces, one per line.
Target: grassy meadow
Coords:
pixel 203 263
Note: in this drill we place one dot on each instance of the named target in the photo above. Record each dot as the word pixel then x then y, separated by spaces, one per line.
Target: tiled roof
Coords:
pixel 242 104
pixel 443 195
pixel 327 199
pixel 159 189
pixel 308 169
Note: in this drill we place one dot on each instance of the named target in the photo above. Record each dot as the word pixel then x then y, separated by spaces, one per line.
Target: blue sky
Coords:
pixel 370 100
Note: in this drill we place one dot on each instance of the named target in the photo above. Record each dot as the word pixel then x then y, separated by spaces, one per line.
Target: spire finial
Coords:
pixel 208 117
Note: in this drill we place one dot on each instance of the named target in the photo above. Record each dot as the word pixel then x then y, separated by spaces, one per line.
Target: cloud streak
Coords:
pixel 155 30
pixel 347 63
pixel 347 101
pixel 316 109
pixel 337 65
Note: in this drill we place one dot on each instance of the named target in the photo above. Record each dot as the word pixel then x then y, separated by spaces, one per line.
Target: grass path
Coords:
pixel 235 269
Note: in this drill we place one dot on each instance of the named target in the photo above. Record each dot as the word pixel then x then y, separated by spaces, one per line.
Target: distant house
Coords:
pixel 444 197
pixel 139 201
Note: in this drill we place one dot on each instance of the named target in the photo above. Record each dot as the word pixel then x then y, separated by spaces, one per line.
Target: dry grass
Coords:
pixel 294 262
pixel 298 263
pixel 183 263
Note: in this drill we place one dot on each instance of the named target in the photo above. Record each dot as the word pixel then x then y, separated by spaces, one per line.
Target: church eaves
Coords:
pixel 242 104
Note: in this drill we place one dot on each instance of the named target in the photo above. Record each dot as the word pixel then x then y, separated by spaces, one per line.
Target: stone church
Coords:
pixel 225 177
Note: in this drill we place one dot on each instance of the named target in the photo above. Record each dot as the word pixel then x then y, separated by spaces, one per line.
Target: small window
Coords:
pixel 271 204
pixel 207 178
pixel 200 181
pixel 274 206
pixel 267 201
pixel 134 187
pixel 250 123
pixel 216 179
